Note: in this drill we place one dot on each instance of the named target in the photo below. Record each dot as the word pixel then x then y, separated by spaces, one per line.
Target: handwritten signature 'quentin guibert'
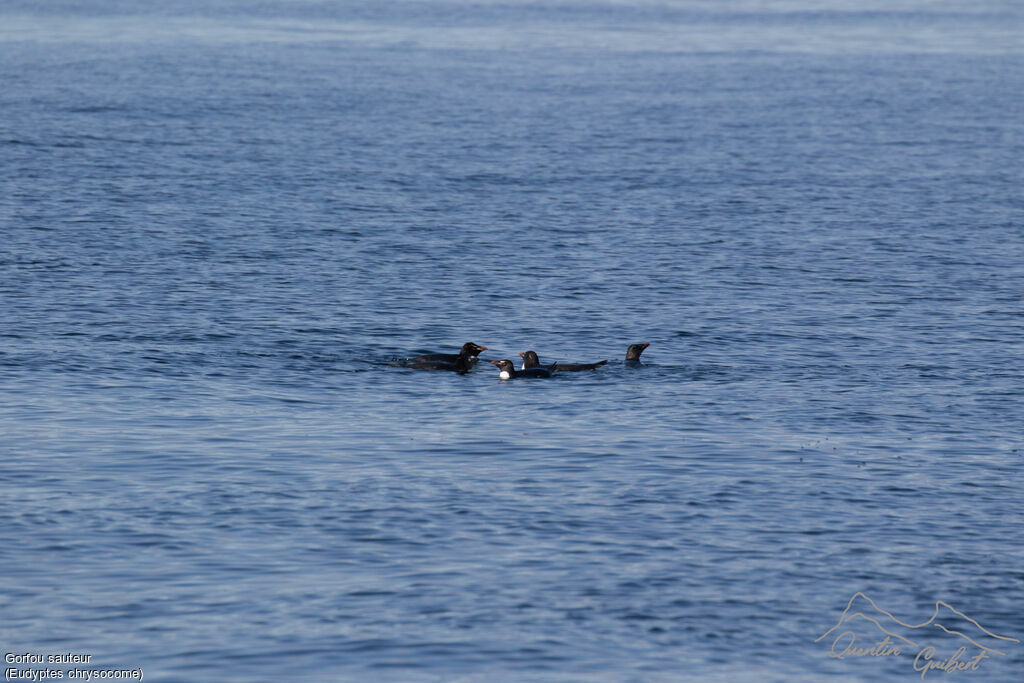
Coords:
pixel 843 645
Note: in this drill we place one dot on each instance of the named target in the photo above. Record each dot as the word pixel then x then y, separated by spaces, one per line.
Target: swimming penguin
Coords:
pixel 461 362
pixel 508 371
pixel 469 351
pixel 634 351
pixel 530 360
pixel 462 365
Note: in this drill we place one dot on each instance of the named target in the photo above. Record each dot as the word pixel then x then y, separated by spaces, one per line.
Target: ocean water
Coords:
pixel 221 220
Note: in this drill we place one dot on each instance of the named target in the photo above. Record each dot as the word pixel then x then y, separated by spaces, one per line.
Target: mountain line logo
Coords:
pixel 976 643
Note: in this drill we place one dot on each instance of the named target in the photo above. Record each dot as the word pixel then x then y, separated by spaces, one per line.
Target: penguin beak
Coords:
pixel 522 354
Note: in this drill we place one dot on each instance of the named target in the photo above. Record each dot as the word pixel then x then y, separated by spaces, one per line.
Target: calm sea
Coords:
pixel 219 221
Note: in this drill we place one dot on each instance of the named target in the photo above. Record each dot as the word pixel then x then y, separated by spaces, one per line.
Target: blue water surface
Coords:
pixel 221 220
